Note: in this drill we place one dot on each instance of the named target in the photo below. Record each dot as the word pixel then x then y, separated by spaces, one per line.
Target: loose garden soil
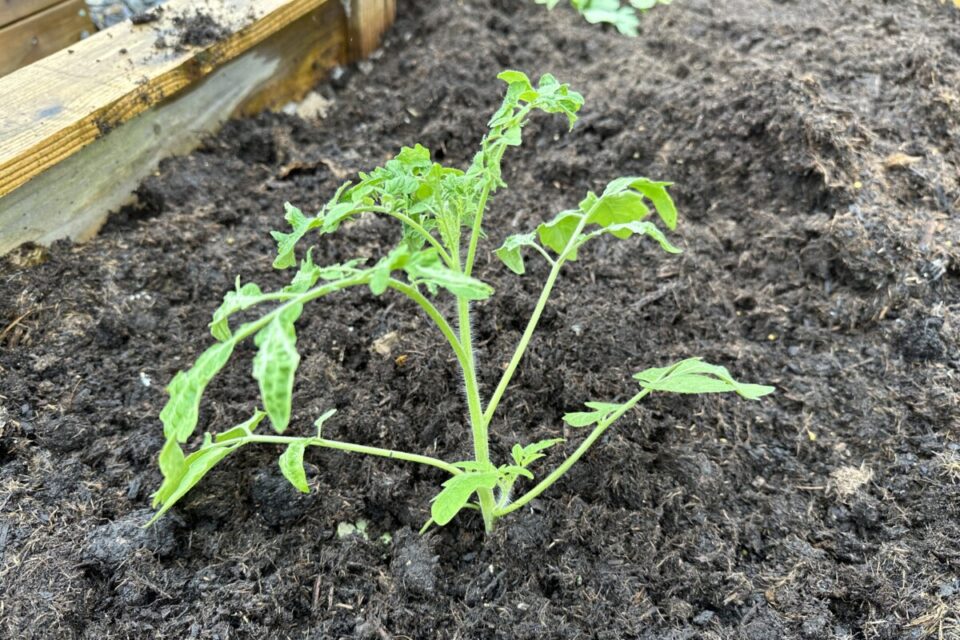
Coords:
pixel 814 146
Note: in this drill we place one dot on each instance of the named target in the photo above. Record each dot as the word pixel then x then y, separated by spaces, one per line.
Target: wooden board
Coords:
pixel 73 145
pixel 40 34
pixel 13 10
pixel 369 20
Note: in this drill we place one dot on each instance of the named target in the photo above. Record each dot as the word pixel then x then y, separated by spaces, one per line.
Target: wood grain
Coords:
pixel 79 130
pixel 55 107
pixel 40 34
pixel 369 20
pixel 13 10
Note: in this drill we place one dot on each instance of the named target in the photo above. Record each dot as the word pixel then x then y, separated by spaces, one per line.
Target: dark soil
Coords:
pixel 198 29
pixel 814 149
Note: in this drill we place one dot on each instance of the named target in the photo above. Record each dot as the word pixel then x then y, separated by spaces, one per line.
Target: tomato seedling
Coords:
pixel 440 211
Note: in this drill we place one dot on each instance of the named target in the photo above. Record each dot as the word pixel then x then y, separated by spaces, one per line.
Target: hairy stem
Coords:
pixel 557 473
pixel 481 446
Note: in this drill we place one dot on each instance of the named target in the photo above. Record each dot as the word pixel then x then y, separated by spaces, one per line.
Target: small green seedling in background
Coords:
pixel 622 16
pixel 440 211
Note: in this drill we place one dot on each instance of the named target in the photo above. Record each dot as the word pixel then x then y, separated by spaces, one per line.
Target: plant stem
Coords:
pixel 475 231
pixel 249 328
pixel 438 319
pixel 407 220
pixel 532 323
pixel 557 473
pixel 478 428
pixel 481 446
pixel 349 447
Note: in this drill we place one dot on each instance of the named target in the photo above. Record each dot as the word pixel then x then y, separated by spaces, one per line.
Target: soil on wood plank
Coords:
pixel 814 150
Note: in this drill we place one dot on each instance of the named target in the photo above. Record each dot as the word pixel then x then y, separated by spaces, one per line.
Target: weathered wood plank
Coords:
pixel 40 34
pixel 369 20
pixel 55 107
pixel 72 198
pixel 13 10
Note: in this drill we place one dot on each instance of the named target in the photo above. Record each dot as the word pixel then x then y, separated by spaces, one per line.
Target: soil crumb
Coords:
pixel 199 30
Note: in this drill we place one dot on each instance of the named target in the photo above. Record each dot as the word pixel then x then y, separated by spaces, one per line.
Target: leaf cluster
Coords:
pixel 623 16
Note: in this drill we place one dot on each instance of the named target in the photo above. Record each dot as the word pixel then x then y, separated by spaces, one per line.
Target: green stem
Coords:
pixel 248 329
pixel 475 230
pixel 349 447
pixel 481 446
pixel 532 323
pixel 438 319
pixel 557 473
pixel 407 220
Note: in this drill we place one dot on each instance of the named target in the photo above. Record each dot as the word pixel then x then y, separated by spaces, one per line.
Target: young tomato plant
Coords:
pixel 441 212
pixel 623 17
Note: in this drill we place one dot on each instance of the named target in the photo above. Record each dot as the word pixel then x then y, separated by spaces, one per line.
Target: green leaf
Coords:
pixel 513 136
pixel 172 465
pixel 291 465
pixel 623 231
pixel 600 412
pixel 556 233
pixel 462 286
pixel 515 77
pixel 426 268
pixel 456 493
pixel 287 242
pixel 179 415
pixel 524 456
pixel 275 366
pixel 306 276
pixel 196 466
pixel 618 208
pixel 609 11
pixel 510 254
pixel 657 193
pixel 695 376
pixel 509 474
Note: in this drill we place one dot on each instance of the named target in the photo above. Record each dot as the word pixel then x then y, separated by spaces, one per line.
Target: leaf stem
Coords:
pixel 416 226
pixel 435 315
pixel 475 229
pixel 534 320
pixel 349 447
pixel 557 473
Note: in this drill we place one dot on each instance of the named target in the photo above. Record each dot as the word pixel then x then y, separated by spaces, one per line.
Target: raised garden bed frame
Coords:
pixel 80 128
